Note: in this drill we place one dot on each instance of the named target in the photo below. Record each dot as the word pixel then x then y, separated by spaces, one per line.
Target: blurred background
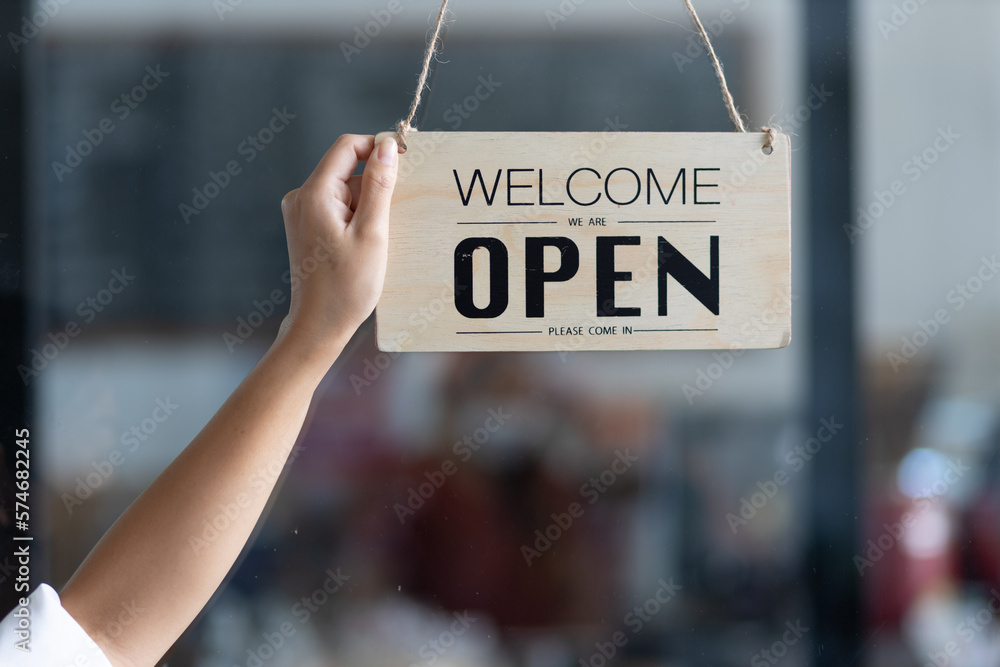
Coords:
pixel 835 502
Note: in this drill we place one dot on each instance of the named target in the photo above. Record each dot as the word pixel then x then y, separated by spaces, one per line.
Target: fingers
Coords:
pixel 289 202
pixel 330 179
pixel 355 186
pixel 342 159
pixel 377 183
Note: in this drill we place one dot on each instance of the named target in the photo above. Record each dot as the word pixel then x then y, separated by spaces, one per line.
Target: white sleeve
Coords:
pixel 43 634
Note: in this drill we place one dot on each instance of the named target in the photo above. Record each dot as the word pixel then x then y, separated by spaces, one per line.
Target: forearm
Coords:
pixel 173 546
pixel 167 554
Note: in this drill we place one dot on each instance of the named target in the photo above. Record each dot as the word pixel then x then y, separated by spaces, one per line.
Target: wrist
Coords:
pixel 316 351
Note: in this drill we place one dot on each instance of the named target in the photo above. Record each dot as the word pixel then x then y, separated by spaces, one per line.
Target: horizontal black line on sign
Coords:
pixel 496 332
pixel 660 330
pixel 512 222
pixel 663 222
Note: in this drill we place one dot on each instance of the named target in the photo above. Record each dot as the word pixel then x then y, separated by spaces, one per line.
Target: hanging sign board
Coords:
pixel 588 241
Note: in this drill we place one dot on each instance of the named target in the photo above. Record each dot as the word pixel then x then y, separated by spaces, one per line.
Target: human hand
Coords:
pixel 337 226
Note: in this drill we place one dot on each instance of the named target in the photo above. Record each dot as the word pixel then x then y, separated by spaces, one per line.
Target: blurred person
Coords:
pixel 162 560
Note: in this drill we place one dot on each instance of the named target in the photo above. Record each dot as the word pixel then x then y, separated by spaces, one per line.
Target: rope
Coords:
pixel 404 127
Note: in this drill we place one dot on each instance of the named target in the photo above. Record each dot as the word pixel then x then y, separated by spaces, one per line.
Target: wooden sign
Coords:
pixel 588 241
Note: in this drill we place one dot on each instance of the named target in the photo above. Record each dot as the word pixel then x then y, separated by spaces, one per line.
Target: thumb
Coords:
pixel 377 184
